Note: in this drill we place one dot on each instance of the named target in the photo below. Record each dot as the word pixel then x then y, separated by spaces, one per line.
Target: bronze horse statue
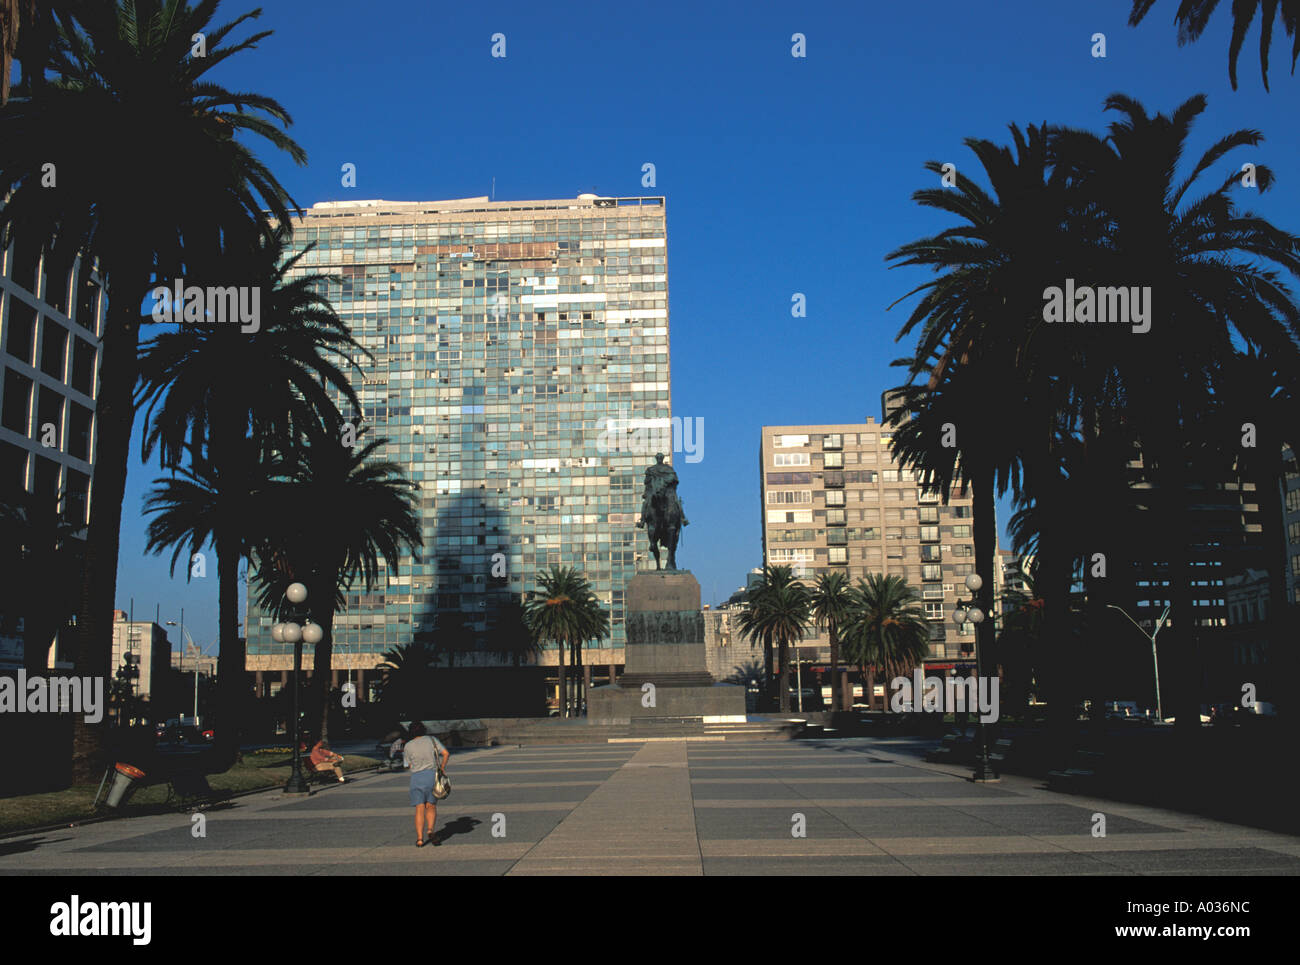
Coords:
pixel 661 512
pixel 666 526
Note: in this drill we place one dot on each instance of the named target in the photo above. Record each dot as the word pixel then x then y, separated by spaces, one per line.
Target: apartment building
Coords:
pixel 833 498
pixel 148 648
pixel 518 346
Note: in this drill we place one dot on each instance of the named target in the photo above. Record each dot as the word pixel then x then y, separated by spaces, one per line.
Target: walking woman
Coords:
pixel 421 754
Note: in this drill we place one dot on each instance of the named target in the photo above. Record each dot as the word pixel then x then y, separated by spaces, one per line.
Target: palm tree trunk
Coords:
pixel 322 589
pixel 985 532
pixel 767 670
pixel 784 683
pixel 837 698
pixel 114 415
pixel 38 635
pixel 580 681
pixel 1055 569
pixel 561 693
pixel 230 660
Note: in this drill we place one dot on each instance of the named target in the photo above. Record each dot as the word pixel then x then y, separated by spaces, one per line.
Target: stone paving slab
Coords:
pixel 671 808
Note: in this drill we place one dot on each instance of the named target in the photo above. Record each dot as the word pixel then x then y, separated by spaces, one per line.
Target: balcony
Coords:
pixel 834 480
pixel 835 517
pixel 832 442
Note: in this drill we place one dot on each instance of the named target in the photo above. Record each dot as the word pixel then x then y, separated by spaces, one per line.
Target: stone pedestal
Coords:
pixel 665 676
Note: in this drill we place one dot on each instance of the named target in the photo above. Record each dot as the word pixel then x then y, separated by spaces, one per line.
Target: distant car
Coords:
pixel 178 735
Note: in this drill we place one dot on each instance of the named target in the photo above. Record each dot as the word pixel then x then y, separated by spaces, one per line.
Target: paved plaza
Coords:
pixel 672 807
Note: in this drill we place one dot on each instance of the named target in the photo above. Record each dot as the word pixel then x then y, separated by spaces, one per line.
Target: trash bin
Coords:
pixel 123 783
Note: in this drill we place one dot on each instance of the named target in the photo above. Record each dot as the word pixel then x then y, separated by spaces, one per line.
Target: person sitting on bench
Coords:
pixel 324 759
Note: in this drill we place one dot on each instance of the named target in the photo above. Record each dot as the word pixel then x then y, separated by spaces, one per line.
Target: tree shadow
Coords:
pixel 24 845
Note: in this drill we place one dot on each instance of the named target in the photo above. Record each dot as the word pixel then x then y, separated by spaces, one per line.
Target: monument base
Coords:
pixel 711 704
pixel 665 674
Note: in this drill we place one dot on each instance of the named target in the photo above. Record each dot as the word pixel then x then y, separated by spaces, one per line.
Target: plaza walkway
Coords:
pixel 672 807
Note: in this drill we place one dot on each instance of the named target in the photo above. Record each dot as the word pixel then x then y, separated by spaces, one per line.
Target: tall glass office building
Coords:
pixel 508 338
pixel 51 322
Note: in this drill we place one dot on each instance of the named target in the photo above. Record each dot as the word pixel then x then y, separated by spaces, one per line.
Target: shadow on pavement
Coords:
pixel 31 844
pixel 459 826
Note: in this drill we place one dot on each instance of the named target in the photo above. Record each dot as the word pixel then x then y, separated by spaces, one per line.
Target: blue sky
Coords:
pixel 782 175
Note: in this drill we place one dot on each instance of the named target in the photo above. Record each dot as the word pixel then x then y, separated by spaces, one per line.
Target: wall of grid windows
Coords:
pixel 505 335
pixel 51 321
pixel 853 509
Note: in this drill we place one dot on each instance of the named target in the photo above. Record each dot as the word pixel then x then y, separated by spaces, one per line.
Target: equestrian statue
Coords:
pixel 661 511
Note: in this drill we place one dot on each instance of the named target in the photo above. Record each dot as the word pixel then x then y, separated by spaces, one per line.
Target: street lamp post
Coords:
pixel 970 611
pixel 798 681
pixel 1155 660
pixel 290 632
pixel 195 651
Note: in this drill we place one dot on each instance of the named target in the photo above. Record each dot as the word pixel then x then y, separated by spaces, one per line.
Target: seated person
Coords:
pixel 324 759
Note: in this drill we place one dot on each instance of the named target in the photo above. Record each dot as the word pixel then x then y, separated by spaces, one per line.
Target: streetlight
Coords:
pixel 197 652
pixel 180 664
pixel 969 611
pixel 1155 660
pixel 291 632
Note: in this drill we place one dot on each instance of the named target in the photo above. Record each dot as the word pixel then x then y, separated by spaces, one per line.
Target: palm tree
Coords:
pixel 885 630
pixel 119 74
pixel 237 397
pixel 335 517
pixel 1106 212
pixel 780 608
pixel 1210 269
pixel 991 392
pixel 831 598
pixel 565 611
pixel 1193 15
pixel 201 504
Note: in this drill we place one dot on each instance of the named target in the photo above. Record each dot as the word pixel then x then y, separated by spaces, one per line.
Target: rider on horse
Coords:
pixel 662 516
